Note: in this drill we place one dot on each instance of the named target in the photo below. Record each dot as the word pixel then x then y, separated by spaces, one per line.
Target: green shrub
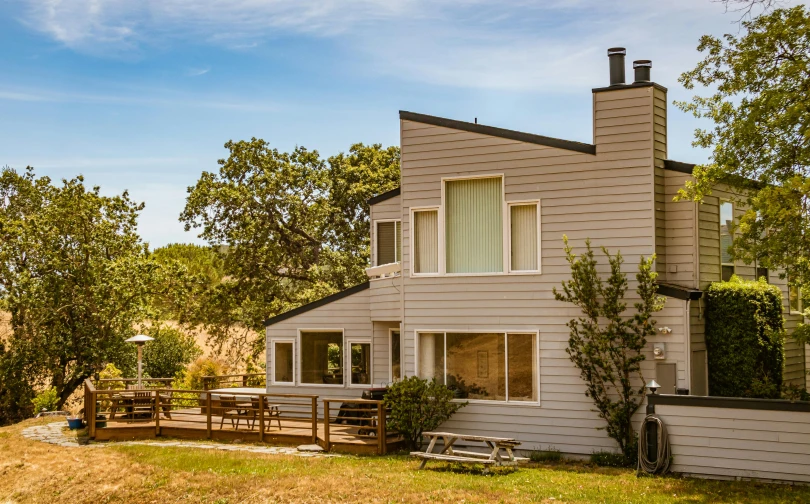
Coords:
pixel 202 367
pixel 744 339
pixel 611 459
pixel 418 406
pixel 550 454
pixel 47 400
pixel 170 352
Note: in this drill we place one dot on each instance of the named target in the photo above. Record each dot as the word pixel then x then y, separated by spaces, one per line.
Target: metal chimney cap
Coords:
pixel 642 63
pixel 139 339
pixel 616 50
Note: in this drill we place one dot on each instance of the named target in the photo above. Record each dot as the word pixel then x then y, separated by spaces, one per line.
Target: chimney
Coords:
pixel 616 56
pixel 642 69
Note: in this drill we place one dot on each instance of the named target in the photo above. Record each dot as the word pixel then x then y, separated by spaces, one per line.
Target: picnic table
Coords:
pixel 139 402
pixel 449 454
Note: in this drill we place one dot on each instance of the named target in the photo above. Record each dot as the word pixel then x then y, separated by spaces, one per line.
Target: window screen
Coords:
pixel 523 234
pixel 426 241
pixel 474 225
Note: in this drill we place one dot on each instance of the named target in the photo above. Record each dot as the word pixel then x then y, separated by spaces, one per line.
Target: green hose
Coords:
pixel 661 464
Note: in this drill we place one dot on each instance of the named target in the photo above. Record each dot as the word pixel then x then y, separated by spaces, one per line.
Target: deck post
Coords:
pixel 157 412
pixel 261 418
pixel 91 422
pixel 328 446
pixel 314 419
pixel 382 435
pixel 208 413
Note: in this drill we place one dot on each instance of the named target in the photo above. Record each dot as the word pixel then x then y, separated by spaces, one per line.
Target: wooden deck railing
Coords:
pixel 121 383
pixel 235 380
pixel 289 418
pixel 356 419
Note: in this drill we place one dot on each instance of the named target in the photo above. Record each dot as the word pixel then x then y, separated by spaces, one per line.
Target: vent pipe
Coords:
pixel 642 70
pixel 616 57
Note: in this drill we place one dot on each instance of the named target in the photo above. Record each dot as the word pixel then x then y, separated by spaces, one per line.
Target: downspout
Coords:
pixel 688 345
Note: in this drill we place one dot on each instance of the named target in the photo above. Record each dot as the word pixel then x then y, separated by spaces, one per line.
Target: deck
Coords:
pixel 351 426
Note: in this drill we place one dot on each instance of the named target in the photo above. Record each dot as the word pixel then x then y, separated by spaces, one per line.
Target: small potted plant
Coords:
pixel 74 420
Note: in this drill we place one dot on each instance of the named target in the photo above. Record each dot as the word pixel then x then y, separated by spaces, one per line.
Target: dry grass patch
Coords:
pixel 35 472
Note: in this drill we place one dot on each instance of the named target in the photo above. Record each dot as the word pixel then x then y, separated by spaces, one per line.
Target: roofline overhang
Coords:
pixel 317 304
pixel 499 132
pixel 679 291
pixel 617 87
pixel 393 193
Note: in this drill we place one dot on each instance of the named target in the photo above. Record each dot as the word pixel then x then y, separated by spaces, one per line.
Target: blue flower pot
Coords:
pixel 74 423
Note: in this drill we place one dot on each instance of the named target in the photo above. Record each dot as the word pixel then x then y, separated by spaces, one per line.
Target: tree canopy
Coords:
pixel 760 140
pixel 294 227
pixel 75 277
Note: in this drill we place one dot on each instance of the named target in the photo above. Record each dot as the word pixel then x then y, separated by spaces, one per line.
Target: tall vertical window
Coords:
pixel 523 235
pixel 726 220
pixel 322 357
pixel 482 366
pixel 389 242
pixel 426 241
pixel 283 362
pixel 474 225
pixel 360 355
pixel 396 356
pixel 795 299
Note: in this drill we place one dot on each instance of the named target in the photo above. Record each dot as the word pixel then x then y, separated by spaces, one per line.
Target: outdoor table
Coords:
pixel 126 400
pixel 448 454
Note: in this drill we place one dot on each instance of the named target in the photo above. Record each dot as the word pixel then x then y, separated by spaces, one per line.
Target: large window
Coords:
pixel 283 369
pixel 482 366
pixel 396 356
pixel 474 225
pixel 425 241
pixel 524 232
pixel 726 220
pixel 322 357
pixel 389 242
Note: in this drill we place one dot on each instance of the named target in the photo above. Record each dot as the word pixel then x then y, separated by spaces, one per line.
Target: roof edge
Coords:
pixel 727 402
pixel 499 132
pixel 679 291
pixel 393 193
pixel 316 304
pixel 678 166
pixel 617 87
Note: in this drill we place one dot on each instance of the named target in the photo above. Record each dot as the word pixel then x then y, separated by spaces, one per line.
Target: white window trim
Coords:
pixel 347 377
pixel 504 222
pixel 412 241
pixel 391 331
pixel 799 300
pixel 273 342
pixel 509 206
pixel 374 240
pixel 299 346
pixel 720 239
pixel 504 332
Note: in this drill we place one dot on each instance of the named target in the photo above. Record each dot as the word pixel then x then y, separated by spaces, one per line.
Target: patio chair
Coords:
pixel 231 411
pixel 270 411
pixel 143 403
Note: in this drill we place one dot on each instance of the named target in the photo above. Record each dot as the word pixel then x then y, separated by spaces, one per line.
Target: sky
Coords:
pixel 142 95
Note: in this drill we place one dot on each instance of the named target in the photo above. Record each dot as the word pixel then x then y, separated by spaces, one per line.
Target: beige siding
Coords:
pixel 659 141
pixel 607 197
pixel 350 314
pixel 386 293
pixel 382 351
pixel 738 443
pixel 680 233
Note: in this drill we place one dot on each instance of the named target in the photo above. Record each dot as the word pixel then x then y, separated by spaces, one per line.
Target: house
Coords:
pixel 466 251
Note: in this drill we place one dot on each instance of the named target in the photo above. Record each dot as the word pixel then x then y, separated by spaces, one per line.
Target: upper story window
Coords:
pixel 473 216
pixel 795 300
pixel 425 241
pixel 388 242
pixel 726 220
pixel 524 237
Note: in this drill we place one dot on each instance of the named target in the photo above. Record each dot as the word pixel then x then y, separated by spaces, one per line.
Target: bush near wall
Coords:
pixel 744 339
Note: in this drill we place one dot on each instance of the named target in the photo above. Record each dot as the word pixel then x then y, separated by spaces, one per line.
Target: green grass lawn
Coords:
pixel 35 472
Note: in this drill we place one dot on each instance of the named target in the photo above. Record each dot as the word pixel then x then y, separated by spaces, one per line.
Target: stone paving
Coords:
pixel 54 433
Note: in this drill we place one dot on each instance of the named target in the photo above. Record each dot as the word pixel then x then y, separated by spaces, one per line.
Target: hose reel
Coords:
pixel 653 446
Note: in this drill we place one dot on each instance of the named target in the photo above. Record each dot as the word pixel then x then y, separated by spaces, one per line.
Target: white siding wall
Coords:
pixel 738 443
pixel 606 197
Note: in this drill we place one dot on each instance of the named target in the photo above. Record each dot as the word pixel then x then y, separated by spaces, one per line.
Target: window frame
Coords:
pixel 720 237
pixel 500 332
pixel 391 331
pixel 301 383
pixel 509 205
pixel 442 224
pixel 412 240
pixel 798 300
pixel 284 339
pixel 347 361
pixel 375 245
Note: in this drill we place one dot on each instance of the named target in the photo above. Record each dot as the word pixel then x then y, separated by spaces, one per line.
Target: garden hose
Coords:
pixel 661 464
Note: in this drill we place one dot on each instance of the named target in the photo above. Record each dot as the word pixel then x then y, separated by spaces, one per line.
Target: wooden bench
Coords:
pixel 448 454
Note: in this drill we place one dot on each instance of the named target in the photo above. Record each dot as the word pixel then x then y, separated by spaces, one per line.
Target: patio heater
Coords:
pixel 139 340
